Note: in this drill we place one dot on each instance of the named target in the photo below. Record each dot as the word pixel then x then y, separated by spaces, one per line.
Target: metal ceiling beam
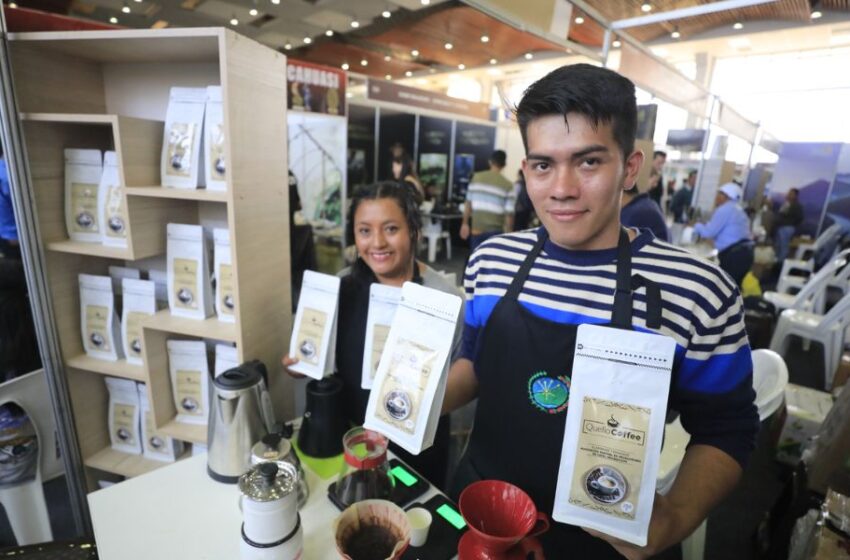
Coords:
pixel 693 11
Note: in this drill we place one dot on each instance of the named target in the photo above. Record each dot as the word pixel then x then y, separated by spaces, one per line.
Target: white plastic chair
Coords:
pixel 770 377
pixel 433 232
pixel 827 329
pixel 24 503
pixel 812 294
pixel 787 281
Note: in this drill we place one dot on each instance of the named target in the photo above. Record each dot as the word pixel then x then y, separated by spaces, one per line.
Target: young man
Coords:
pixel 729 228
pixel 789 218
pixel 489 206
pixel 527 292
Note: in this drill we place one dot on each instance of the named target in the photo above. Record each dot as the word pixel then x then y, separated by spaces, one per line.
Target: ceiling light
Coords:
pixel 675 34
pixel 275 2
pixel 126 9
pixel 408 73
pixel 253 12
pixel 139 1
pixel 461 66
pixel 432 70
pixel 329 33
pixel 387 58
pixel 579 20
pixel 348 95
pixel 414 52
pixel 425 2
pixel 646 7
pixel 493 61
pixel 288 46
pixel 364 62
pixel 386 13
pixel 113 19
pixel 617 44
pixel 528 56
pixel 345 66
pixel 234 21
pixel 485 39
pixel 355 24
pixel 307 40
pixel 738 25
pixel 449 46
pixel 388 77
pixel 816 14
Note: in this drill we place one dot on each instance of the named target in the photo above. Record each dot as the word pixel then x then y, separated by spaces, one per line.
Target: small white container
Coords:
pixel 420 523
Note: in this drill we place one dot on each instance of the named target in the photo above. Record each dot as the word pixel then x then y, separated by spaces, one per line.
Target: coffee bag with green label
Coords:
pixel 112 213
pixel 190 373
pixel 139 302
pixel 215 141
pixel 225 295
pixel 124 416
pixel 313 340
pixel 182 166
pixel 99 326
pixel 383 302
pixel 155 445
pixel 614 429
pixel 189 288
pixel 83 170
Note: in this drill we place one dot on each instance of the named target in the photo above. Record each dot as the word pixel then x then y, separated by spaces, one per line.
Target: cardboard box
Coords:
pixel 830 545
pixel 842 374
pixel 830 452
pixel 806 409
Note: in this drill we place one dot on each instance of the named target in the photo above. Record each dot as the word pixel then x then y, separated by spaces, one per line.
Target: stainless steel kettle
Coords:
pixel 240 415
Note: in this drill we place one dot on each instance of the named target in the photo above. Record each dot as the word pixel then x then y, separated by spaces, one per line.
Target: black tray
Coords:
pixel 443 537
pixel 402 494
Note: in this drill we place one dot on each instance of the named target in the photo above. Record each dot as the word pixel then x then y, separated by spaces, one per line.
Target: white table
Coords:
pixel 178 511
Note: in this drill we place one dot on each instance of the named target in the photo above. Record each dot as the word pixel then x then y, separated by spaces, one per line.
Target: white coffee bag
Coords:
pixel 99 324
pixel 313 339
pixel 214 141
pixel 156 446
pixel 160 280
pixel 189 369
pixel 124 416
pixel 408 390
pixel 189 288
pixel 226 357
pixel 139 302
pixel 225 295
pixel 83 170
pixel 383 302
pixel 119 273
pixel 181 146
pixel 614 429
pixel 111 210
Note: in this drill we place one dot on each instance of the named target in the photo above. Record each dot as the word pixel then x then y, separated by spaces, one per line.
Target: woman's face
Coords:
pixel 397 169
pixel 382 237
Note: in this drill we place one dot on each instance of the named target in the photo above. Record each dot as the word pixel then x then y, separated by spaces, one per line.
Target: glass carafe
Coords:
pixel 365 474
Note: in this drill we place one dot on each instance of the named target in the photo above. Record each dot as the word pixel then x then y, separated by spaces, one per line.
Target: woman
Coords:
pixel 386 225
pixel 404 174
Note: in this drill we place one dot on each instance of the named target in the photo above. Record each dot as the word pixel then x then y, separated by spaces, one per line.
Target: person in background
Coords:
pixel 681 204
pixel 656 180
pixel 523 210
pixel 404 174
pixel 9 246
pixel 640 211
pixel 386 225
pixel 489 206
pixel 729 228
pixel 788 219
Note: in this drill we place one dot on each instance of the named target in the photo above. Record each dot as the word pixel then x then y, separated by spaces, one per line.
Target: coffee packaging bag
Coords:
pixel 189 369
pixel 189 288
pixel 225 295
pixel 383 302
pixel 214 141
pixel 160 280
pixel 181 166
pixel 156 446
pixel 410 383
pixel 119 273
pixel 99 324
pixel 313 339
pixel 111 210
pixel 83 170
pixel 614 430
pixel 124 416
pixel 139 302
pixel 226 357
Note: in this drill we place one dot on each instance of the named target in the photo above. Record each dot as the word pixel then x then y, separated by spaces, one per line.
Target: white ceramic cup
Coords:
pixel 420 523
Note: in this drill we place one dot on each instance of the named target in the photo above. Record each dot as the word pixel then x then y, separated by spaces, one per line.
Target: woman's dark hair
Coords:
pixel 406 167
pixel 403 196
pixel 599 94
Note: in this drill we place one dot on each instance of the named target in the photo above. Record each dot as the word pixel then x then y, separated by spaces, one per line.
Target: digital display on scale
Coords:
pixel 403 475
pixel 451 515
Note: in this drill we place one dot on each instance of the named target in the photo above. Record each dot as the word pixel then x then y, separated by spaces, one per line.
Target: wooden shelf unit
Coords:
pixel 109 90
pixel 125 464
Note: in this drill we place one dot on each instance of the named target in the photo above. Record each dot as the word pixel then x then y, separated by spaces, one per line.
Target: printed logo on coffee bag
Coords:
pixel 225 289
pixel 114 213
pixel 310 335
pixel 96 328
pixel 549 394
pixel 186 282
pixel 134 332
pixel 84 207
pixel 180 142
pixel 403 388
pixel 189 397
pixel 124 422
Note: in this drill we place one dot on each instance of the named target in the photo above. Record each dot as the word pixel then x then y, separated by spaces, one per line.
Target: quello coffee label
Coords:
pixel 84 207
pixel 186 283
pixel 189 396
pixel 97 334
pixel 610 456
pixel 310 333
pixel 225 289
pixel 181 139
pixel 124 416
pixel 403 388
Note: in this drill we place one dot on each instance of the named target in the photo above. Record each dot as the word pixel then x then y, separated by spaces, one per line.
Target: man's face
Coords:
pixel 575 177
pixel 692 180
pixel 658 163
pixel 791 196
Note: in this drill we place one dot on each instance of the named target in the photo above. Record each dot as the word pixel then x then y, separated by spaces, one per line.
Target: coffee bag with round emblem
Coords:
pixel 214 141
pixel 225 295
pixel 124 415
pixel 313 340
pixel 181 165
pixel 189 287
pixel 83 170
pixel 139 302
pixel 111 211
pixel 100 329
pixel 156 445
pixel 615 425
pixel 408 389
pixel 190 373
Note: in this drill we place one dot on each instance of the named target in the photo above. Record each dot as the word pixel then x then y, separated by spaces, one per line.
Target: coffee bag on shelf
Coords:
pixel 225 295
pixel 313 339
pixel 181 146
pixel 189 288
pixel 226 357
pixel 99 324
pixel 160 280
pixel 124 415
pixel 83 170
pixel 214 141
pixel 383 302
pixel 139 302
pixel 111 211
pixel 156 446
pixel 410 383
pixel 189 370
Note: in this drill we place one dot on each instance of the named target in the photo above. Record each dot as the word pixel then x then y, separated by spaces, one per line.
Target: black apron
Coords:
pixel 524 366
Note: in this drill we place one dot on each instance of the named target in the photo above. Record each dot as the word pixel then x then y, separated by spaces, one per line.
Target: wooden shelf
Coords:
pixel 125 464
pixel 90 249
pixel 180 194
pixel 116 369
pixel 207 328
pixel 73 118
pixel 185 432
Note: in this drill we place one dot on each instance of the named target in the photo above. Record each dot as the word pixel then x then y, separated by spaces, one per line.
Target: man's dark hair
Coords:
pixel 692 173
pixel 657 153
pixel 599 94
pixel 499 158
pixel 795 190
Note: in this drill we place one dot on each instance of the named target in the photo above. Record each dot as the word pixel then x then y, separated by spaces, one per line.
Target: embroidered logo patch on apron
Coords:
pixel 549 394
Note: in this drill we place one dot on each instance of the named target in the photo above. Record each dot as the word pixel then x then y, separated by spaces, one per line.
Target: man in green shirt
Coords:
pixel 490 200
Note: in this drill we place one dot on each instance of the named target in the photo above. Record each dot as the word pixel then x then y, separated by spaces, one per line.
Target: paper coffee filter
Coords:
pixel 373 512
